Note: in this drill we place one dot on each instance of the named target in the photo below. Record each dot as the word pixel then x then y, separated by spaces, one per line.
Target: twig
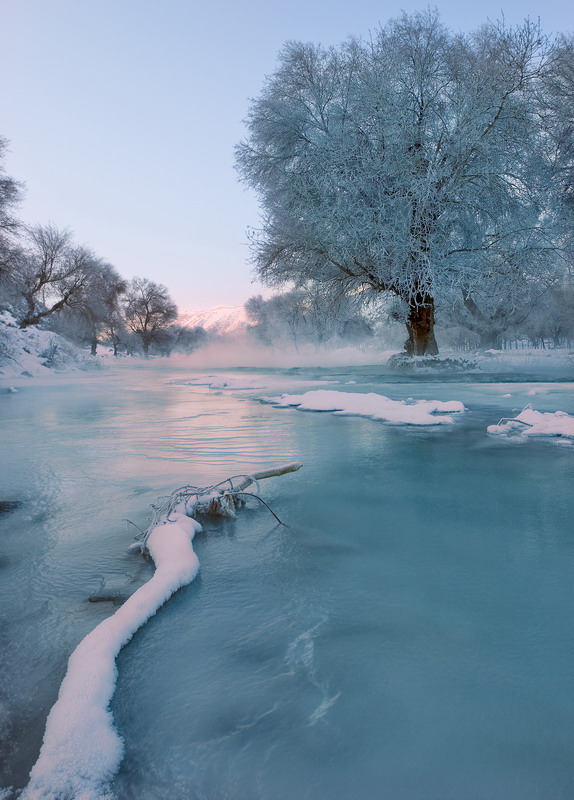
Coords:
pixel 261 500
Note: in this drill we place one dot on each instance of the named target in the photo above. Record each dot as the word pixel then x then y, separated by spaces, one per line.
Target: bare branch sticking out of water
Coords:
pixel 219 500
pixel 82 750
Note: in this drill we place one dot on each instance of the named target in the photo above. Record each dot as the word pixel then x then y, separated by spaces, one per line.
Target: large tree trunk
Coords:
pixel 420 327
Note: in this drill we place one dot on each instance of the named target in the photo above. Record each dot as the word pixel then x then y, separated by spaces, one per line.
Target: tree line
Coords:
pixel 432 167
pixel 48 278
pixel 307 315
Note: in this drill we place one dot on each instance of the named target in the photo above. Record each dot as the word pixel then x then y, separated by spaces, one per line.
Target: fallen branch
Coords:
pixel 82 750
pixel 219 500
pixel 268 473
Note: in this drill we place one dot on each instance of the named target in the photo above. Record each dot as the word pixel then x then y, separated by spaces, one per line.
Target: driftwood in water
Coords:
pixel 266 473
pixel 220 500
pixel 224 498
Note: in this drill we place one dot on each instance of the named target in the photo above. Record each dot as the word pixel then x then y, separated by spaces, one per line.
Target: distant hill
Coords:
pixel 219 320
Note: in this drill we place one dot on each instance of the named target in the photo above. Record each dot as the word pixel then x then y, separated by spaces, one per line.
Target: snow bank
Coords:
pixel 82 751
pixel 535 423
pixel 375 406
pixel 34 352
pixel 526 361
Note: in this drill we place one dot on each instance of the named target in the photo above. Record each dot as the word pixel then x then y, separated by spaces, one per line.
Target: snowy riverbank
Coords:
pixel 37 353
pixel 34 352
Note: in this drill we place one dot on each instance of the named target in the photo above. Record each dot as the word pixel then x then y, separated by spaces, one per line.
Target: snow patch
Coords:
pixel 82 751
pixel 535 423
pixel 375 406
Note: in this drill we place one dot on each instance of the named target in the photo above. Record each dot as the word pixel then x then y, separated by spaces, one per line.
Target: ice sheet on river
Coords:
pixel 375 406
pixel 82 751
pixel 536 423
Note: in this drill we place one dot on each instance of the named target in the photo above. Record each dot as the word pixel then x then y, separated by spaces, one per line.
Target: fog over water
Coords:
pixel 407 635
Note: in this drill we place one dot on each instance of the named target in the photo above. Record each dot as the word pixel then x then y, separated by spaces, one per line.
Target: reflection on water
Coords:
pixel 407 636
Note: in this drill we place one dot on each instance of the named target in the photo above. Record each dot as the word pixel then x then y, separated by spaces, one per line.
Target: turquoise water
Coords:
pixel 408 636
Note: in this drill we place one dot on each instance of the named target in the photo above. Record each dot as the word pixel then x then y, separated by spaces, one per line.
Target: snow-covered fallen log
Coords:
pixel 531 423
pixel 375 406
pixel 82 751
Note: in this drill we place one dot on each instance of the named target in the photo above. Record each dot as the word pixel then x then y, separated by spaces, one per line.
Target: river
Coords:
pixel 406 635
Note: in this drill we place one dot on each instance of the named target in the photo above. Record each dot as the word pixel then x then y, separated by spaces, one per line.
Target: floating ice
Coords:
pixel 536 423
pixel 375 406
pixel 82 751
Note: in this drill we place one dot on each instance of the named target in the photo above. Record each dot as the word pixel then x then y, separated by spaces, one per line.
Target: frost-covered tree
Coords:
pixel 94 311
pixel 149 311
pixel 189 339
pixel 415 164
pixel 557 101
pixel 53 273
pixel 10 196
pixel 113 327
pixel 306 315
pixel 552 319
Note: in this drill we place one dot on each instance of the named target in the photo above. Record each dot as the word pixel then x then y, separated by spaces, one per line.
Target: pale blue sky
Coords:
pixel 123 115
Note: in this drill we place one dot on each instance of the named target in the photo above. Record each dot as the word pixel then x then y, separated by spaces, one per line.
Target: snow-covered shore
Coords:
pixel 34 352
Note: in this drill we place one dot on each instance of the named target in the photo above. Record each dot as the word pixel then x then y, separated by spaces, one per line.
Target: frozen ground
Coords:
pixel 408 634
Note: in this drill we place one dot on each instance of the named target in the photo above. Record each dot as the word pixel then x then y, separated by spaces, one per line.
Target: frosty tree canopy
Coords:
pixel 419 163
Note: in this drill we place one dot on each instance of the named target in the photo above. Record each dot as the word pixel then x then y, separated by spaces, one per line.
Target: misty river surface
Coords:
pixel 408 635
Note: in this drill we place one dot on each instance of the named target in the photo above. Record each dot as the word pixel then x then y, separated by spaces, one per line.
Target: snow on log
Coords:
pixel 375 406
pixel 81 751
